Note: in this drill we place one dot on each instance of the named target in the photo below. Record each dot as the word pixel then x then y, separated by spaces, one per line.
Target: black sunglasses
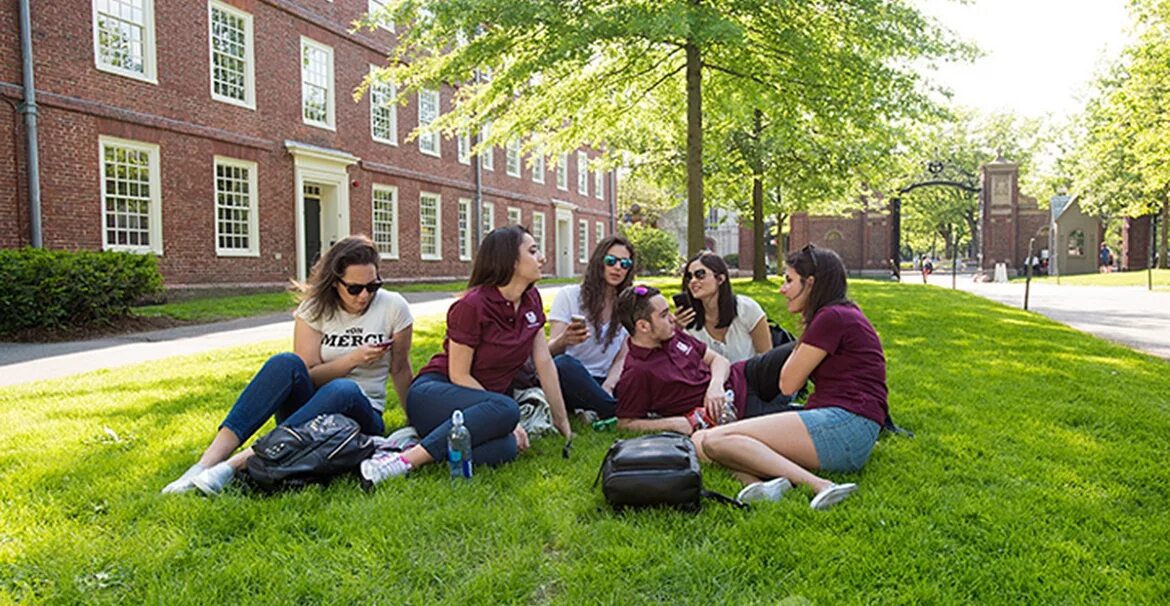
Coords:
pixel 812 258
pixel 611 260
pixel 356 289
pixel 698 274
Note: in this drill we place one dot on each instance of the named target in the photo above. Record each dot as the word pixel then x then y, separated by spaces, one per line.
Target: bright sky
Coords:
pixel 1039 55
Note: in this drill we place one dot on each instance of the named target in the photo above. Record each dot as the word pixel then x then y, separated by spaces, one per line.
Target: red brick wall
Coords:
pixel 1135 244
pixel 861 239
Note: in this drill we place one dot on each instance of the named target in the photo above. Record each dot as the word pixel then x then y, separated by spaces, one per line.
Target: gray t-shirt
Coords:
pixel 344 332
pixel 593 354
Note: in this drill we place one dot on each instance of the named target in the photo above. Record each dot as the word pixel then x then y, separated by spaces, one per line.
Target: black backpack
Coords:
pixel 655 470
pixel 311 453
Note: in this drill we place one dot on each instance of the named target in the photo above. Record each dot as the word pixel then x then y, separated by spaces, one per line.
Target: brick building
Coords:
pixel 862 239
pixel 222 136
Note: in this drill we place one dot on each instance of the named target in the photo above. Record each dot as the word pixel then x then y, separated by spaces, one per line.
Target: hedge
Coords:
pixel 656 251
pixel 51 288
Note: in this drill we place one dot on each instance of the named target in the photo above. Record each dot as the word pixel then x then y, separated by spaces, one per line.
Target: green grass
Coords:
pixel 213 309
pixel 1038 476
pixel 1161 279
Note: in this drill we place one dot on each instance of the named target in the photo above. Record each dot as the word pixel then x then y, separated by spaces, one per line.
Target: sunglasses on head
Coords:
pixel 356 289
pixel 611 260
pixel 812 258
pixel 641 291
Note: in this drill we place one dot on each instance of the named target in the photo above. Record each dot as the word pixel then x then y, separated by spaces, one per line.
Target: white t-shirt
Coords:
pixel 344 332
pixel 592 352
pixel 737 344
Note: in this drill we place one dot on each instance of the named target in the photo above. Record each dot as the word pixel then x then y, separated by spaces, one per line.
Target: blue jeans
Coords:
pixel 581 390
pixel 489 416
pixel 283 388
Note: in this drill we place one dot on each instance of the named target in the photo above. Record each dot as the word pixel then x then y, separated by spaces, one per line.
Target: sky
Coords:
pixel 1039 56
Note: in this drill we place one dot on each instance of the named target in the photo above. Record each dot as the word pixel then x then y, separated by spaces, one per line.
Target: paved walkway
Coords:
pixel 25 362
pixel 1130 315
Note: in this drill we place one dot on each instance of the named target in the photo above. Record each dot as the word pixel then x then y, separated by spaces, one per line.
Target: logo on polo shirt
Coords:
pixel 683 347
pixel 531 317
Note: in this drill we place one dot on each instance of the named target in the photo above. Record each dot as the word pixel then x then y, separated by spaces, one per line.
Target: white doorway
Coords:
pixel 322 197
pixel 564 238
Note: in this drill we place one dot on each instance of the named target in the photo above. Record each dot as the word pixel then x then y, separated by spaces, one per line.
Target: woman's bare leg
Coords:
pixel 765 447
pixel 225 443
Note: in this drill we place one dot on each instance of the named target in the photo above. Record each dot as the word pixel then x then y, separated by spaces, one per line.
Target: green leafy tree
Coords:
pixel 657 250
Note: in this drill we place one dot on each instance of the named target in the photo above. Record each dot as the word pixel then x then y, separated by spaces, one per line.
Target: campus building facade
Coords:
pixel 223 136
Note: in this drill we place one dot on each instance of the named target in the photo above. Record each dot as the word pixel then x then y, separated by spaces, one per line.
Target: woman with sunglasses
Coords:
pixel 491 332
pixel 734 326
pixel 836 431
pixel 587 344
pixel 349 337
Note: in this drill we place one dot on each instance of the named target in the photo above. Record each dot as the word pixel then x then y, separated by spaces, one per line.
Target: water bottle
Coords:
pixel 459 448
pixel 727 415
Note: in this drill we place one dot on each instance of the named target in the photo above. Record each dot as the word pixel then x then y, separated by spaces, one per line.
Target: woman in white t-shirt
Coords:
pixel 734 326
pixel 349 338
pixel 589 351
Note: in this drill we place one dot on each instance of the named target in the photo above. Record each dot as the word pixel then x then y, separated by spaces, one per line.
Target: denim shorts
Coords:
pixel 843 440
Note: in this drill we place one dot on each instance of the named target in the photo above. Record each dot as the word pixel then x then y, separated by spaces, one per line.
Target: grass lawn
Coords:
pixel 1038 476
pixel 1161 279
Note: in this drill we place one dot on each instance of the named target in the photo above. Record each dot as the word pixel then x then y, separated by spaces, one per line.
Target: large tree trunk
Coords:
pixel 1163 262
pixel 696 239
pixel 759 265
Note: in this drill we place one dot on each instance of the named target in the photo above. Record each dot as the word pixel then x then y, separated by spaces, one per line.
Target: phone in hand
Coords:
pixel 384 344
pixel 577 319
pixel 681 301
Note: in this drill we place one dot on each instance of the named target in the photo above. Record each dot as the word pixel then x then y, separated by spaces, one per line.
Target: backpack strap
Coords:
pixel 893 428
pixel 722 498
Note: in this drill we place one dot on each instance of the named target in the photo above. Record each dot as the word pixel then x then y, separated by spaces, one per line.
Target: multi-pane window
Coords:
pixel 372 7
pixel 464 229
pixel 538 169
pixel 316 83
pixel 582 173
pixel 599 232
pixel 385 220
pixel 123 37
pixel 428 111
pixel 430 228
pixel 563 171
pixel 235 208
pixel 538 230
pixel 487 218
pixel 232 71
pixel 513 158
pixel 513 215
pixel 487 157
pixel 582 240
pixel 599 184
pixel 465 148
pixel 131 200
pixel 383 110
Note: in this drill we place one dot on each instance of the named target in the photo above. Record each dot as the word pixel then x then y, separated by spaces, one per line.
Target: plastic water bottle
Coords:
pixel 459 448
pixel 727 415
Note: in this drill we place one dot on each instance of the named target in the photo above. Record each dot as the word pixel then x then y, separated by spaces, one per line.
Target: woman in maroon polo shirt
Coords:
pixel 837 429
pixel 491 331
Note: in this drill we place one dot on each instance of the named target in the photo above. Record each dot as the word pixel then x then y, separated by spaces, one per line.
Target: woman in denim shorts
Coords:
pixel 836 431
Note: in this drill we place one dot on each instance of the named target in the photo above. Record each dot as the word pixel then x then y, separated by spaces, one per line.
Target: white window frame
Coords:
pixel 427 139
pixel 563 171
pixel 515 216
pixel 392 254
pixel 464 143
pixel 583 240
pixel 538 167
pixel 487 216
pixel 154 182
pixel 388 103
pixel 599 184
pixel 487 157
pixel 465 232
pixel 373 5
pixel 253 249
pixel 149 71
pixel 538 218
pixel 438 254
pixel 598 232
pixel 512 158
pixel 249 100
pixel 583 173
pixel 330 105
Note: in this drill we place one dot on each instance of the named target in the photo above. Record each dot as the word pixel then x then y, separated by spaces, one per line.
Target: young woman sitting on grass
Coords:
pixel 349 337
pixel 589 354
pixel 491 331
pixel 733 326
pixel 837 429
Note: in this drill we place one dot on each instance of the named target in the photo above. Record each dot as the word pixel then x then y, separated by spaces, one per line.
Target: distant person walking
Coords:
pixel 1105 259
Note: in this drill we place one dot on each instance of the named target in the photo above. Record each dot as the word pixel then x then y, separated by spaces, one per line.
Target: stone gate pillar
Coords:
pixel 999 209
pixel 1135 243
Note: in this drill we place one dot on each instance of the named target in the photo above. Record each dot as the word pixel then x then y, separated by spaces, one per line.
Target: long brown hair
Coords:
pixel 594 288
pixel 495 261
pixel 320 290
pixel 829 287
pixel 728 306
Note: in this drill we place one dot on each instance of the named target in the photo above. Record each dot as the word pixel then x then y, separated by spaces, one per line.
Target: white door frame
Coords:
pixel 564 238
pixel 328 168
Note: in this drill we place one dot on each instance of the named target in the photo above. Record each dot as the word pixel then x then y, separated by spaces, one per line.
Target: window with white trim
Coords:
pixel 514 216
pixel 599 184
pixel 131 196
pixel 538 230
pixel 428 111
pixel 538 168
pixel 317 108
pixel 236 232
pixel 123 38
pixel 582 240
pixel 563 171
pixel 374 6
pixel 582 173
pixel 385 220
pixel 488 156
pixel 598 232
pixel 232 66
pixel 464 229
pixel 487 216
pixel 430 234
pixel 512 161
pixel 383 110
pixel 465 149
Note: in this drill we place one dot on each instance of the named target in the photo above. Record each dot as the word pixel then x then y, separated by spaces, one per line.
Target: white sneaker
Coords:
pixel 184 484
pixel 831 496
pixel 213 479
pixel 772 490
pixel 400 440
pixel 381 466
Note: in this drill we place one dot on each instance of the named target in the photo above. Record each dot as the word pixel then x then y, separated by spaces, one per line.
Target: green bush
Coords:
pixel 732 260
pixel 657 251
pixel 50 288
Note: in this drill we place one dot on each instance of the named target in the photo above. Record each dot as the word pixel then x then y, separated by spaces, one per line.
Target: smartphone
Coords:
pixel 681 301
pixel 384 344
pixel 577 319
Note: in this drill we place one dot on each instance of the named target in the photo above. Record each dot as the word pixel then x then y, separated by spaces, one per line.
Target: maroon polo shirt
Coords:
pixel 853 375
pixel 671 380
pixel 500 334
